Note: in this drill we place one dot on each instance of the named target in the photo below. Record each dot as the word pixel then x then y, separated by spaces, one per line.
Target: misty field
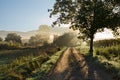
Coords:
pixel 60 40
pixel 24 63
pixel 52 57
pixel 33 63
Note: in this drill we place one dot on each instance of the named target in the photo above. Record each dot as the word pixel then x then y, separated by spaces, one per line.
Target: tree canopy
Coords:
pixel 38 40
pixel 44 28
pixel 1 39
pixel 88 16
pixel 13 37
pixel 65 40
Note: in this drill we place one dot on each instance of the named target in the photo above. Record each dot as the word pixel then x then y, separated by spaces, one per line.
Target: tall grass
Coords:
pixel 23 67
pixel 42 72
pixel 7 56
pixel 109 57
pixel 9 45
pixel 109 52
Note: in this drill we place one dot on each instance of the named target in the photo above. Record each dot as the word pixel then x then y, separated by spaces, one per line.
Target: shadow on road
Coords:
pixel 79 67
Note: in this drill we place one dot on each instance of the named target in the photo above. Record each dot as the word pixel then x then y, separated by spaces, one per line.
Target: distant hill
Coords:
pixel 43 29
pixel 48 30
pixel 24 35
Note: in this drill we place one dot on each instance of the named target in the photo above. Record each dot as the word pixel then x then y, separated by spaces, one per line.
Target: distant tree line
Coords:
pixel 12 41
pixel 1 39
pixel 38 40
pixel 34 41
pixel 107 42
pixel 67 39
pixel 13 37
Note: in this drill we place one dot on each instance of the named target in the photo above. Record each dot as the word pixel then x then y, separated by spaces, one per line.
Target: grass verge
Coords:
pixel 40 74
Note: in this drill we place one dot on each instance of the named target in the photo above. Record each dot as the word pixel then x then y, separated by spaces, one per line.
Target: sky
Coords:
pixel 27 15
pixel 24 15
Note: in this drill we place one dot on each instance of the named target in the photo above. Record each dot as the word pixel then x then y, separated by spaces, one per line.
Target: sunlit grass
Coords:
pixel 29 66
pixel 83 49
pixel 109 57
pixel 46 67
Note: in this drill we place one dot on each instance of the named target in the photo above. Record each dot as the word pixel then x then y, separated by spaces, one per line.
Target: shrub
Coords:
pixel 9 45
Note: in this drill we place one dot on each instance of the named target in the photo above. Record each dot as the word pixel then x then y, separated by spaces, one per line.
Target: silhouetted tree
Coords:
pixel 13 37
pixel 88 16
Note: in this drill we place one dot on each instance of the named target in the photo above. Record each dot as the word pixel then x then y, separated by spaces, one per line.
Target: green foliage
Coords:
pixel 38 40
pixel 109 57
pixel 46 67
pixel 87 16
pixel 67 39
pixel 25 63
pixel 13 37
pixel 113 51
pixel 9 45
pixel 108 54
pixel 1 39
pixel 83 49
pixel 22 69
pixel 107 42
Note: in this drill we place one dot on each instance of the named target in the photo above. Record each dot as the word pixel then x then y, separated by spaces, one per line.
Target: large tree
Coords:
pixel 88 16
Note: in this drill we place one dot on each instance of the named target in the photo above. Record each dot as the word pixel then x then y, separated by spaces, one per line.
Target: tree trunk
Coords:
pixel 91 46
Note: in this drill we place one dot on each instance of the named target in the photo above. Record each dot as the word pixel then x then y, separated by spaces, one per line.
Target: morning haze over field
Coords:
pixel 25 17
pixel 59 39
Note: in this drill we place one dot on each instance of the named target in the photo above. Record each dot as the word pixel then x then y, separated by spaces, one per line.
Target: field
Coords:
pixel 22 63
pixel 109 58
pixel 106 55
pixel 60 40
pixel 42 63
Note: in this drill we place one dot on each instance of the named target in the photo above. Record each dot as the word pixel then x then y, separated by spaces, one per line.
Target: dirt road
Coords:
pixel 75 66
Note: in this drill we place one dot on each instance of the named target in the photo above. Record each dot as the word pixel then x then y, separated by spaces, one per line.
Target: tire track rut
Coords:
pixel 75 66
